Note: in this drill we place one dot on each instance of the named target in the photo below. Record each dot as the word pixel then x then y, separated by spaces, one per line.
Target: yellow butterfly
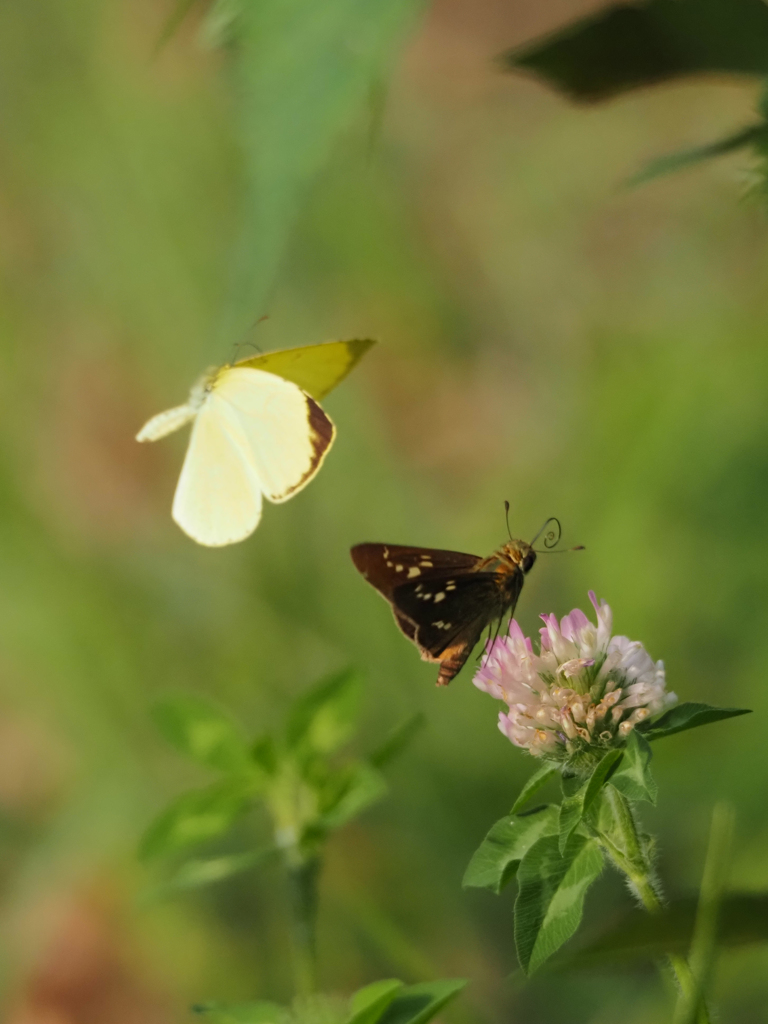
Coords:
pixel 256 430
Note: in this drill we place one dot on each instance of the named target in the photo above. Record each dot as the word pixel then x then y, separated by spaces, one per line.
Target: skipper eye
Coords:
pixel 528 561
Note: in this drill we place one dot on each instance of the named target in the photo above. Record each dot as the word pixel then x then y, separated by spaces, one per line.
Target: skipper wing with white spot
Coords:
pixel 386 566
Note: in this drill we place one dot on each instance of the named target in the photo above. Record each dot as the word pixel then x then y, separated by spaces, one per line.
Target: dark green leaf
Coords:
pixel 243 1013
pixel 550 899
pixel 495 861
pixel 417 1004
pixel 369 1003
pixel 633 778
pixel 743 920
pixel 687 716
pixel 203 732
pixel 197 816
pixel 755 133
pixel 304 72
pixel 398 740
pixel 349 792
pixel 324 717
pixel 638 44
pixel 532 786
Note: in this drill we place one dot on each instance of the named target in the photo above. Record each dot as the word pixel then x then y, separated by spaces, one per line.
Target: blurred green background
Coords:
pixel 546 336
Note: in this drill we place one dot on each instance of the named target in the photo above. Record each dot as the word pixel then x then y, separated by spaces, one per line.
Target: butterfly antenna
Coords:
pixel 506 516
pixel 553 535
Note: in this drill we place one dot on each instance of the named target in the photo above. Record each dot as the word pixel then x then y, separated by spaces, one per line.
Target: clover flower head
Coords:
pixel 581 693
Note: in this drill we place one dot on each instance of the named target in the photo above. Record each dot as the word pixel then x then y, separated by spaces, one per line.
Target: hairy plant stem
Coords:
pixel 303 874
pixel 631 859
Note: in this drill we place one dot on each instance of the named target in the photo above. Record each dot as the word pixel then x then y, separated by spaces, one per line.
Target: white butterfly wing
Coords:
pixel 165 423
pixel 218 497
pixel 287 432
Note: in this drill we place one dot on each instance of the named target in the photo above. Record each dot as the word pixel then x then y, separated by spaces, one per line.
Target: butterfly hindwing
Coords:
pixel 387 566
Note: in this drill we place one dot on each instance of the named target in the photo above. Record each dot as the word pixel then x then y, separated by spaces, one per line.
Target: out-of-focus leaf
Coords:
pixel 639 44
pixel 197 816
pixel 357 787
pixel 203 732
pixel 397 741
pixel 743 920
pixel 325 716
pixel 495 860
pixel 550 899
pixel 633 778
pixel 687 716
pixel 193 874
pixel 369 1003
pixel 304 72
pixel 178 13
pixel 756 133
pixel 532 786
pixel 417 1004
pixel 243 1013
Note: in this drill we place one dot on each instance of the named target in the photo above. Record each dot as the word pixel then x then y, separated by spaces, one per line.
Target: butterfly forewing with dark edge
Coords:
pixel 443 600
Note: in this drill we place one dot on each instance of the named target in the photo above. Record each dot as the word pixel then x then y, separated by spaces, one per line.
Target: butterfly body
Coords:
pixel 443 600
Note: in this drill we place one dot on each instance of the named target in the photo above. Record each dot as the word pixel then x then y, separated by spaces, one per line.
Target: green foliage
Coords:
pixel 306 791
pixel 633 777
pixel 625 47
pixel 324 717
pixel 532 786
pixel 203 732
pixel 550 900
pixel 383 1002
pixel 496 860
pixel 368 1004
pixel 305 72
pixel 197 816
pixel 687 716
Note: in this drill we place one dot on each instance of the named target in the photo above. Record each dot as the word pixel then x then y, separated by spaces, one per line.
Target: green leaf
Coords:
pixel 203 732
pixel 397 741
pixel 742 921
pixel 495 861
pixel 687 716
pixel 304 73
pixel 671 162
pixel 417 1004
pixel 628 46
pixel 369 1003
pixel 602 773
pixel 243 1013
pixel 550 899
pixel 533 785
pixel 197 816
pixel 324 717
pixel 349 792
pixel 196 873
pixel 634 778
pixel 571 811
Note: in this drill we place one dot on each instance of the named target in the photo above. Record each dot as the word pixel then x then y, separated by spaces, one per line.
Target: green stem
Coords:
pixel 303 874
pixel 631 860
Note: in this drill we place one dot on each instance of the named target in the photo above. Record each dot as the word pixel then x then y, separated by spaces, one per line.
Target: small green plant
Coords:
pixel 309 792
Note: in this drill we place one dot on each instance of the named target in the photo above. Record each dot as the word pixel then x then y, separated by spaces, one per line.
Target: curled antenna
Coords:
pixel 552 536
pixel 506 516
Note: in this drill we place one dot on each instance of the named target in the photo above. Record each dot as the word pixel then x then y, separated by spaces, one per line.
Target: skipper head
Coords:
pixel 520 554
